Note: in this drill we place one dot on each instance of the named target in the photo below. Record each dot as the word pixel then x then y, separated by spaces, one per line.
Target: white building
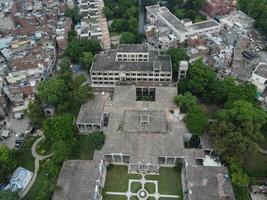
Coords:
pixel 182 29
pixel 237 18
pixel 259 77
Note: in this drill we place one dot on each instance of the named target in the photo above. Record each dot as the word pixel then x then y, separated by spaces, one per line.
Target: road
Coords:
pixel 141 21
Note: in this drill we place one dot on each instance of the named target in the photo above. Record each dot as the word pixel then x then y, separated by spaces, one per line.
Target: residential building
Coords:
pixel 218 7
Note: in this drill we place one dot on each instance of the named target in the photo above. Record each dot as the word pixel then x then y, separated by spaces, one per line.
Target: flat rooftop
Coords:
pixel 146 121
pixel 209 183
pixel 135 48
pixel 261 70
pixel 77 180
pixel 106 62
pixel 91 112
pixel 165 16
pixel 125 135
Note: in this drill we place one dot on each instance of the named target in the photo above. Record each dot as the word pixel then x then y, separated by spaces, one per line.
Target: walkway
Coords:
pixel 263 151
pixel 38 158
pixel 156 195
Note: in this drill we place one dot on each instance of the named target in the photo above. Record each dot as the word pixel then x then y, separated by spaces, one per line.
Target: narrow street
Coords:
pixel 141 21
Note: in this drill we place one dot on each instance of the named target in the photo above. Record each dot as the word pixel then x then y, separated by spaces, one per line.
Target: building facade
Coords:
pixel 130 64
pixel 162 18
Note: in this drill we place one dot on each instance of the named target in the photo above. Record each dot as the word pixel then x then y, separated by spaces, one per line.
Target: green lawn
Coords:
pixel 117 179
pixel 255 164
pixel 83 150
pixel 135 186
pixel 24 155
pixel 169 180
pixel 150 187
pixel 43 148
pixel 114 197
pixel 31 195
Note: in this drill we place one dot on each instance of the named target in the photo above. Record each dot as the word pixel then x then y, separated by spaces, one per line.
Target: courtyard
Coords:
pixel 121 185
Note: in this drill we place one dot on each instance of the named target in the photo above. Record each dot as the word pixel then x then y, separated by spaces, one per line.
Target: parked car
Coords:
pixel 17 145
pixel 19 141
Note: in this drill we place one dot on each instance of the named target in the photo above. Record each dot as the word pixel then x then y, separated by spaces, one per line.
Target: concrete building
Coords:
pixel 237 18
pixel 183 67
pixel 161 17
pixel 143 136
pixel 90 117
pixel 259 77
pixel 130 64
pixel 80 180
pixel 218 7
pixel 208 183
pixel 93 23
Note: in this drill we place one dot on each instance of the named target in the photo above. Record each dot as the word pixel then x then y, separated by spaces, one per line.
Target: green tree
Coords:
pixel 177 54
pixel 199 80
pixel 96 140
pixel 62 151
pixel 77 46
pixel 236 130
pixel 73 14
pixel 35 113
pixel 228 90
pixel 59 128
pixel 71 35
pixel 7 162
pixel 64 64
pixel 108 12
pixel 119 25
pixel 87 59
pixel 127 38
pixel 186 101
pixel 150 2
pixel 8 195
pixel 52 91
pixel 196 120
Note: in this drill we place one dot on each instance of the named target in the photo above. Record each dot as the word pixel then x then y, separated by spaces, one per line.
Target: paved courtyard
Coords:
pixel 121 185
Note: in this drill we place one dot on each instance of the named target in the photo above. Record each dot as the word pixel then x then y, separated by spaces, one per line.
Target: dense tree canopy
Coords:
pixel 35 113
pixel 73 13
pixel 124 16
pixel 199 80
pixel 236 130
pixel 186 101
pixel 228 90
pixel 196 120
pixel 77 46
pixel 87 58
pixel 59 128
pixel 62 151
pixel 7 162
pixel 177 54
pixel 131 38
pixel 52 91
pixel 257 9
pixel 96 140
